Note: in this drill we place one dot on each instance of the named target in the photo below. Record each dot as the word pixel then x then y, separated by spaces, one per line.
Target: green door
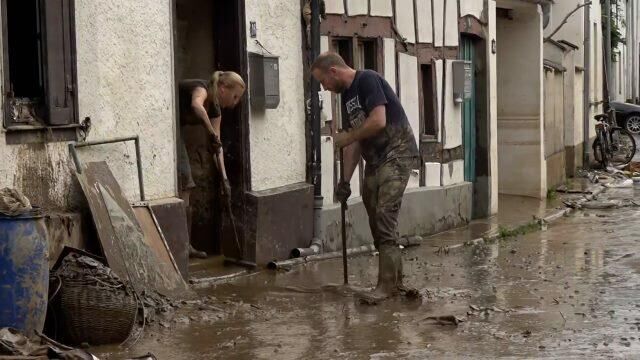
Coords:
pixel 469 115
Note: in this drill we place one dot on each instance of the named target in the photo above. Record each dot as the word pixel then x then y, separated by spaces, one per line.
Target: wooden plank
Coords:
pixel 389 51
pixel 121 236
pixel 381 8
pixel 408 73
pixel 405 20
pixel 153 237
pixel 357 7
pixel 363 26
pixel 334 6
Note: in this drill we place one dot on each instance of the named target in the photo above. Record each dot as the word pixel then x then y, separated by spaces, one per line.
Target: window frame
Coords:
pixel 43 132
pixel 424 135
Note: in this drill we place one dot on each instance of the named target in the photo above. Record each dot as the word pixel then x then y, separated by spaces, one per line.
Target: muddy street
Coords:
pixel 570 291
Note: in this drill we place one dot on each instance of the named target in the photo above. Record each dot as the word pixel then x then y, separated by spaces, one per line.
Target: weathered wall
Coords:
pixel 409 96
pixel 554 127
pixel 390 62
pixel 573 30
pixel 492 62
pixel 596 73
pixel 554 98
pixel 452 122
pixel 521 160
pixel 449 207
pixel 278 136
pixel 125 84
pixel 471 7
pixel 453 173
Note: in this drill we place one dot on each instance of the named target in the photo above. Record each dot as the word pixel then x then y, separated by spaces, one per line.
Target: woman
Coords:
pixel 200 103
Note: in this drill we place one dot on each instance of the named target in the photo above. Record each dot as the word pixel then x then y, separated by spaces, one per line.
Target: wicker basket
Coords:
pixel 95 314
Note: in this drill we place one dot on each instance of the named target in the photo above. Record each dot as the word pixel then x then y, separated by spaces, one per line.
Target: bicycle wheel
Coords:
pixel 600 152
pixel 623 147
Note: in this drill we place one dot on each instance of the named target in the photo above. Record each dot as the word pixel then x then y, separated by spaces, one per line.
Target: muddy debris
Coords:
pixel 15 345
pixel 485 311
pixel 444 320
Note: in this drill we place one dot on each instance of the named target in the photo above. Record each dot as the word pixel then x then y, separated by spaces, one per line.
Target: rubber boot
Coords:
pixel 389 276
pixel 197 254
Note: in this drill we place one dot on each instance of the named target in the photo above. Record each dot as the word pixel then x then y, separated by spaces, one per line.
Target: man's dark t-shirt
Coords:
pixel 368 91
pixel 185 91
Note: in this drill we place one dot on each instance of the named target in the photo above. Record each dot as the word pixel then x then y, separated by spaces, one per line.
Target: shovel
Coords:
pixel 227 203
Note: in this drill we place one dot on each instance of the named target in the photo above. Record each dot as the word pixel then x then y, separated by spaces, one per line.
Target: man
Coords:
pixel 375 127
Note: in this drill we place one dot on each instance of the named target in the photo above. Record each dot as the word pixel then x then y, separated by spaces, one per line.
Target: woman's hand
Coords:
pixel 216 144
pixel 226 189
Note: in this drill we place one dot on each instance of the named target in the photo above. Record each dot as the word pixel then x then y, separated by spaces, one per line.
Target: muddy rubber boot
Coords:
pixel 196 254
pixel 389 276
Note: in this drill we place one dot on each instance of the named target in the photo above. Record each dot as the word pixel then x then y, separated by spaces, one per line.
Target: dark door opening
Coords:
pixel 209 36
pixel 428 101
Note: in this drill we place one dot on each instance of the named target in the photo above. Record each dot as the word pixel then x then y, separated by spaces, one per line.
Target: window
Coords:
pixel 428 101
pixel 343 47
pixel 39 76
pixel 358 53
pixel 367 55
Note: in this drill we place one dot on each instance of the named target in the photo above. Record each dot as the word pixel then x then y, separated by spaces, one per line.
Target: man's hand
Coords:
pixel 342 139
pixel 343 191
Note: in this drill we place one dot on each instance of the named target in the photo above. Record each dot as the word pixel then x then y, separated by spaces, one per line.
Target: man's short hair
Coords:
pixel 328 60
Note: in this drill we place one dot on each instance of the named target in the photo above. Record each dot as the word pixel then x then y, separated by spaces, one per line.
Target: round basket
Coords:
pixel 95 314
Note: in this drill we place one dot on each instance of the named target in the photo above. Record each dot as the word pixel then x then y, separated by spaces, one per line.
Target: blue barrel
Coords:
pixel 24 273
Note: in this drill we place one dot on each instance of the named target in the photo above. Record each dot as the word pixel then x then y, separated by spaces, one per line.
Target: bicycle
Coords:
pixel 613 146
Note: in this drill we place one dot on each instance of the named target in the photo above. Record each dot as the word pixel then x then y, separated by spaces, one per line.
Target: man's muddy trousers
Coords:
pixel 382 196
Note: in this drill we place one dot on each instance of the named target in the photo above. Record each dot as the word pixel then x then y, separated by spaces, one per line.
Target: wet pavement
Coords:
pixel 572 291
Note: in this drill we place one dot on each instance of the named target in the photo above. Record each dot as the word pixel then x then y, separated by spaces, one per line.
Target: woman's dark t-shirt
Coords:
pixel 185 93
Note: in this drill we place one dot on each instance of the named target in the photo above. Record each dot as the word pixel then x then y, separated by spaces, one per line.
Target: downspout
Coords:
pixel 316 168
pixel 587 87
pixel 608 57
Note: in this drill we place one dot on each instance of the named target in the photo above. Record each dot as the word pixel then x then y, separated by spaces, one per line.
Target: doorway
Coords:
pixel 209 36
pixel 467 52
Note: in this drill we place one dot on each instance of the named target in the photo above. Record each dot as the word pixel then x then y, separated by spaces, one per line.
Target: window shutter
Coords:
pixel 59 70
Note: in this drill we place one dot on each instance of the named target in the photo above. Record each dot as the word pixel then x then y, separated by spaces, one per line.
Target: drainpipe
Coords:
pixel 587 86
pixel 316 243
pixel 607 48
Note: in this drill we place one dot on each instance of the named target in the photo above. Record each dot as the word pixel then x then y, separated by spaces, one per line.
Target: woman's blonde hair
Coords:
pixel 228 79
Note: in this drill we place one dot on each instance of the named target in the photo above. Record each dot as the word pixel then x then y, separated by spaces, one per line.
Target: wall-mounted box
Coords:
pixel 462 81
pixel 264 81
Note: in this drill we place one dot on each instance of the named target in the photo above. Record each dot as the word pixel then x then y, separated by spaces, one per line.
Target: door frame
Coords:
pixel 236 60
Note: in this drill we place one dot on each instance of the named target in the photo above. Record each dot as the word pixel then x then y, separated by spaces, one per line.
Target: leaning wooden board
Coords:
pixel 121 237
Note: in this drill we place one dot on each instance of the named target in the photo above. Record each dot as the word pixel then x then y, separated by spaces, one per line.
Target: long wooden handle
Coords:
pixel 343 216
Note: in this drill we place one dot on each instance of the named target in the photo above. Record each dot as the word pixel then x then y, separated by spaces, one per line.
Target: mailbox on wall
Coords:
pixel 462 81
pixel 264 82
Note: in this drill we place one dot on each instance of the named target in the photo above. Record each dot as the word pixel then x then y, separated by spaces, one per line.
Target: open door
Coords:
pixel 209 36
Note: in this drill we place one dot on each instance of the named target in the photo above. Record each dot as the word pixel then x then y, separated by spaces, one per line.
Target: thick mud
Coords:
pixel 572 291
